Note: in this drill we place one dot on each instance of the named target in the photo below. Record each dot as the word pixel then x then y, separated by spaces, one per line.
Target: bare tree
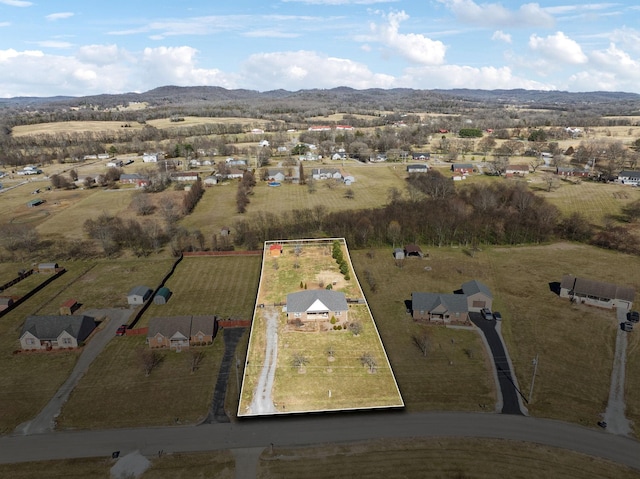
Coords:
pixel 196 356
pixel 299 361
pixel 423 342
pixel 355 327
pixel 550 180
pixel 369 361
pixel 149 359
pixel 142 204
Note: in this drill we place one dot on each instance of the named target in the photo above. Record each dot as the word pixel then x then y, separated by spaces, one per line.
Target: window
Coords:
pixel 30 341
pixel 66 341
pixel 297 315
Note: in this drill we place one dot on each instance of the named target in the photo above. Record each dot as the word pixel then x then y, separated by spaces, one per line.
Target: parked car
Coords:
pixel 602 424
pixel 634 316
pixel 487 314
pixel 627 326
pixel 122 330
pixel 497 316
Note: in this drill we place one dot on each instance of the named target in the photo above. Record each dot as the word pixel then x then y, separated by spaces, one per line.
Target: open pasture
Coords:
pixel 64 127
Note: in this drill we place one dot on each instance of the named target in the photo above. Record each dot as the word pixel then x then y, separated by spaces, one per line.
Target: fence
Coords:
pixel 59 272
pixel 16 280
pixel 222 253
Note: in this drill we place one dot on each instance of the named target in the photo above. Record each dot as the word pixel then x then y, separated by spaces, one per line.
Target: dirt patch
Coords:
pixel 325 278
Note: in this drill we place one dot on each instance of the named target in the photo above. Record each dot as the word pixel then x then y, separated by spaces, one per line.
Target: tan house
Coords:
pixel 478 295
pixel 596 293
pixel 181 332
pixel 55 332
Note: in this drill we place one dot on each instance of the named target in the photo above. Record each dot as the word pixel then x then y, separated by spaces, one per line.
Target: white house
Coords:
pixel 629 177
pixel 152 157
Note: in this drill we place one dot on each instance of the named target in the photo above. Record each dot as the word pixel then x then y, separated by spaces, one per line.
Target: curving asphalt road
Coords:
pixel 322 428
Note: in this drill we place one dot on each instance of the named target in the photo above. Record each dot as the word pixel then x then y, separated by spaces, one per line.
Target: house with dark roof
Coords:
pixel 516 170
pixel 596 293
pixel 463 168
pixel 420 156
pixel 138 295
pixel 181 332
pixel 317 307
pixel 478 295
pixel 55 332
pixel 137 179
pixel 437 307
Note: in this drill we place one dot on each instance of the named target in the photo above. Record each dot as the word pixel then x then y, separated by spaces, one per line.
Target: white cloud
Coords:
pixel 558 48
pixel 53 44
pixel 306 69
pixel 413 47
pixel 100 54
pixel 271 34
pixel 629 38
pixel 339 2
pixel 494 14
pixel 16 3
pixel 59 16
pixel 499 35
pixel 460 76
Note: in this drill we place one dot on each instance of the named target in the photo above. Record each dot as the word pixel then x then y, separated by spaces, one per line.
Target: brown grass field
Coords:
pixel 574 343
pixel 325 383
pixel 437 458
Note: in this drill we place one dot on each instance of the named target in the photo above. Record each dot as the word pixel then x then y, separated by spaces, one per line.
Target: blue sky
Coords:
pixel 68 47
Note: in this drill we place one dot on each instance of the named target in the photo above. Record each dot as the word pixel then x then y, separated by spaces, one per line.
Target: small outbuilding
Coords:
pixel 413 250
pixel 5 302
pixel 47 267
pixel 162 296
pixel 275 250
pixel 139 295
pixel 69 307
pixel 398 253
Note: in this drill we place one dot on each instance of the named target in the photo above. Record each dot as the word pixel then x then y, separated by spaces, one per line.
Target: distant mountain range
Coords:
pixel 377 98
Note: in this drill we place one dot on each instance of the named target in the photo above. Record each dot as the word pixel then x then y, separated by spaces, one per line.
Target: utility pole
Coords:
pixel 533 378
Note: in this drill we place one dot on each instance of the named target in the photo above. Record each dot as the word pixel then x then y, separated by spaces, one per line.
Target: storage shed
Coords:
pixel 139 295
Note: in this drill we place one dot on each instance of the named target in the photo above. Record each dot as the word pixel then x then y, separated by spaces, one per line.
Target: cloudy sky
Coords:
pixel 69 47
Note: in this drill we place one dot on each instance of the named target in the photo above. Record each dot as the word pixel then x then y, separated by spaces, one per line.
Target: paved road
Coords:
pixel 510 396
pixel 45 420
pixel 318 429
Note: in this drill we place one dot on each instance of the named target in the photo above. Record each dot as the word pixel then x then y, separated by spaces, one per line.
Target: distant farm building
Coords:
pixel 47 267
pixel 36 202
pixel 275 250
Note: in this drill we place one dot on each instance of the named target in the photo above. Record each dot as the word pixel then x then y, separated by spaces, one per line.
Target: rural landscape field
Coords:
pixel 200 219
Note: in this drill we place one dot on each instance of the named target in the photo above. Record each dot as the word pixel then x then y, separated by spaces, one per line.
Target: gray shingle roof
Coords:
pixel 475 286
pixel 143 291
pixel 302 301
pixel 599 289
pixel 48 328
pixel 169 326
pixel 453 303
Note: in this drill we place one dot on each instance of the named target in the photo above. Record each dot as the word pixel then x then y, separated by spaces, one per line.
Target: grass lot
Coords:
pixel 225 286
pixel 324 383
pixel 218 464
pixel 632 384
pixel 116 393
pixel 95 285
pixel 71 127
pixel 116 380
pixel 438 458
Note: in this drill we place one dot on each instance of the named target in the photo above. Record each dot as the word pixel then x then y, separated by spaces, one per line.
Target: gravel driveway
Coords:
pixel 617 423
pixel 262 402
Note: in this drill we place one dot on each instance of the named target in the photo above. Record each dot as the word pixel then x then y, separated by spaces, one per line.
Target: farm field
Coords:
pixel 332 377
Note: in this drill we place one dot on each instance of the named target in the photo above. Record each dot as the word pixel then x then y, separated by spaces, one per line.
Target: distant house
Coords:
pixel 413 250
pixel 225 231
pixel 421 168
pixel 139 295
pixel 478 295
pixel 439 307
pixel 211 180
pixel 137 179
pixel 152 157
pixel 463 168
pixel 234 173
pixel 516 170
pixel 181 332
pixel 184 176
pixel 275 175
pixel 326 173
pixel 235 162
pixel 629 177
pixel 55 332
pixel 162 296
pixel 115 163
pixel 69 307
pixel 596 293
pixel 420 156
pixel 275 250
pixel 571 171
pixel 317 306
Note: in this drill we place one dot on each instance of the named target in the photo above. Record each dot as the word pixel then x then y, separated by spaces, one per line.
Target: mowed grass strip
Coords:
pixel 440 458
pixel 218 464
pixel 222 285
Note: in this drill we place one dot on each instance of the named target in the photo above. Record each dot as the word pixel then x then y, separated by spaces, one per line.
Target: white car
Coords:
pixel 487 314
